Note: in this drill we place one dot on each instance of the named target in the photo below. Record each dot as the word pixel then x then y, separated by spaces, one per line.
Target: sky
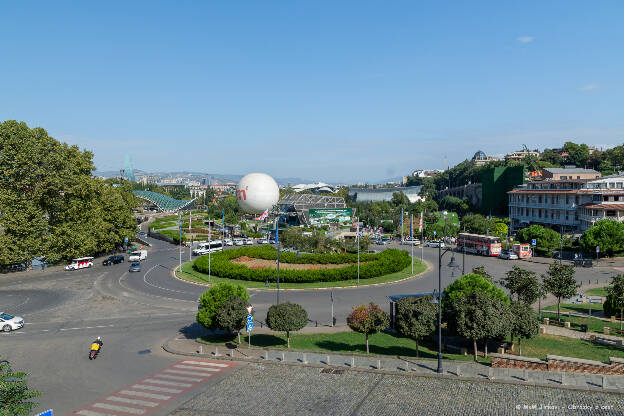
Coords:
pixel 338 91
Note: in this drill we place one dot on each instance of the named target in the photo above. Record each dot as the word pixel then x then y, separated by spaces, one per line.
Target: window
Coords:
pixel 564 177
pixel 610 213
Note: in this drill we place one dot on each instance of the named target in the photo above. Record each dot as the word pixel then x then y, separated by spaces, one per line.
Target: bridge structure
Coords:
pixel 163 202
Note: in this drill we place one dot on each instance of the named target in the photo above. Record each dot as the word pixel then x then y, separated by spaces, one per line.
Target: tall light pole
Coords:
pixel 452 264
pixel 180 235
pixel 412 239
pixel 278 254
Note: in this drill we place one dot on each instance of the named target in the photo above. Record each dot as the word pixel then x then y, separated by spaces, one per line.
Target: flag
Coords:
pixel 411 226
pixel 190 221
pixel 420 224
pixel 263 216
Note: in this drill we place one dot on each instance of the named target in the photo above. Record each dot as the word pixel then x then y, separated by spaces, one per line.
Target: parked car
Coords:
pixel 263 241
pixel 138 255
pixel 238 242
pixel 409 241
pixel 10 323
pixel 113 260
pixel 80 263
pixel 19 267
pixel 228 242
pixel 508 255
pixel 435 244
pixel 249 241
pixel 135 267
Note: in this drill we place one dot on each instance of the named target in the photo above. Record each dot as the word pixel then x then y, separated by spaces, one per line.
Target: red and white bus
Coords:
pixel 522 250
pixel 485 245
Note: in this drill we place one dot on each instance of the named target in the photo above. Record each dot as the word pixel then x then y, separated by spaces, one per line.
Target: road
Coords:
pixel 135 312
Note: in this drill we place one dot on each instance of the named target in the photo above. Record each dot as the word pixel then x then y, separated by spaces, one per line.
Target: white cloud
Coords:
pixel 589 87
pixel 525 39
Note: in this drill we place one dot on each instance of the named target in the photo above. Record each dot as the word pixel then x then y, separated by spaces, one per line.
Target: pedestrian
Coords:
pixel 576 256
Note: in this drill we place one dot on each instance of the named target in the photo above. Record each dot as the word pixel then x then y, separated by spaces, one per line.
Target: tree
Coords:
pixel 477 224
pixel 560 282
pixel 522 283
pixel 399 199
pixel 452 203
pixel 468 284
pixel 478 316
pixel 615 295
pixel 15 396
pixel 547 239
pixel 232 314
pixel 480 270
pixel 524 323
pixel 608 234
pixel 368 319
pixel 416 317
pixel 286 317
pixel 212 299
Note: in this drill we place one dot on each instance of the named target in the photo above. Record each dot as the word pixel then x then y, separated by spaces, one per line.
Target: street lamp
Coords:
pixel 452 264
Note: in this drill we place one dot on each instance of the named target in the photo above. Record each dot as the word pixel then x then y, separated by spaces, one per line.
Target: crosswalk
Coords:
pixel 155 390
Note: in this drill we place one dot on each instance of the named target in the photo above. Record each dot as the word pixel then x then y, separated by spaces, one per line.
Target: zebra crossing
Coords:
pixel 155 390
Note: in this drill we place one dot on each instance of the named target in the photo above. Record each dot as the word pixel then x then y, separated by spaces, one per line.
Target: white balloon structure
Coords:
pixel 257 192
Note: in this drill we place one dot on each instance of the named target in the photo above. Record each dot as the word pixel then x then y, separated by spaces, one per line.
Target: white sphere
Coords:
pixel 257 192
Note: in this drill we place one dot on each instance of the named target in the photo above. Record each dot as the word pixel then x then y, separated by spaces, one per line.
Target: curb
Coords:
pixel 166 348
pixel 428 269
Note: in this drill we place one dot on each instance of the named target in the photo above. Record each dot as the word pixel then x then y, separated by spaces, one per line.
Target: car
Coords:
pixel 142 234
pixel 249 241
pixel 238 242
pixel 135 267
pixel 435 244
pixel 228 242
pixel 10 323
pixel 113 260
pixel 263 241
pixel 508 255
pixel 409 241
pixel 80 263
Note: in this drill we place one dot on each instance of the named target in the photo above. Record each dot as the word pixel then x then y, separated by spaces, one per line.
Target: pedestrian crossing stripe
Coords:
pixel 155 390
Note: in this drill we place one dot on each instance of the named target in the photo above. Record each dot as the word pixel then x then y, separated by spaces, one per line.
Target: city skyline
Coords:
pixel 350 92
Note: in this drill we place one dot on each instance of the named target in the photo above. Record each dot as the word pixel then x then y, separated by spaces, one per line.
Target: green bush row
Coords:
pixel 372 265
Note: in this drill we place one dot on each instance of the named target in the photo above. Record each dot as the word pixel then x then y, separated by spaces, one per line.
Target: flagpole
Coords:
pixel 412 239
pixel 357 235
pixel 209 247
pixel 190 220
pixel 180 235
pixel 401 225
pixel 422 236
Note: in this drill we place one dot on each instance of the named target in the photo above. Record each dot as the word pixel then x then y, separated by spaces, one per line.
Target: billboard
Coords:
pixel 342 216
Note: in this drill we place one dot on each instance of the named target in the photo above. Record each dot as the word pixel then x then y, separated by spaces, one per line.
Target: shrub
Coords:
pixel 286 317
pixel 371 265
pixel 231 315
pixel 212 300
pixel 368 319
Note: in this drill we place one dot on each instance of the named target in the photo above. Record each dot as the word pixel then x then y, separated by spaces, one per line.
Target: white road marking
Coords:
pixel 91 413
pixel 166 382
pixel 115 408
pixel 132 401
pixel 191 367
pixel 178 377
pixel 188 373
pixel 154 388
pixel 160 287
pixel 146 395
pixel 205 363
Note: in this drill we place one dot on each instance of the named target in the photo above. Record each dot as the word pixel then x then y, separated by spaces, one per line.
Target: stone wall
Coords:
pixel 558 363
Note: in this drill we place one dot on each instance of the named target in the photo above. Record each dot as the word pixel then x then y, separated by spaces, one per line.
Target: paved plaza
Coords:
pixel 274 389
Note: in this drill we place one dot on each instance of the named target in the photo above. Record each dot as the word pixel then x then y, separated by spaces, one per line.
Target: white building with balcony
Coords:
pixel 567 205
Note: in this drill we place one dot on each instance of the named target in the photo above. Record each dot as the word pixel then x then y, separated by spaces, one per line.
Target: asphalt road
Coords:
pixel 136 312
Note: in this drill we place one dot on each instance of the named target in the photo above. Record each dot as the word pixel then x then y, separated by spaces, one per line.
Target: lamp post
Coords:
pixel 277 246
pixel 451 264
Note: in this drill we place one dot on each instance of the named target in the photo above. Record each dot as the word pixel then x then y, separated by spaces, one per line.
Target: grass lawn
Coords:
pixel 188 273
pixel 597 291
pixel 576 307
pixel 593 324
pixel 388 344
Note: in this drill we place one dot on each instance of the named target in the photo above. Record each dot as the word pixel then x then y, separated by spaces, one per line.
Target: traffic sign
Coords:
pixel 250 326
pixel 46 413
pixel 249 319
pixel 534 242
pixel 597 249
pixel 126 240
pixel 434 233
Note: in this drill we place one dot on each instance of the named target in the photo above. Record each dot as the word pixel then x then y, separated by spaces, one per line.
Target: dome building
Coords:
pixel 480 158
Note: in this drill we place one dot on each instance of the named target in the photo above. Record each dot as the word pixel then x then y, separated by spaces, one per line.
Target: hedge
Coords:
pixel 371 265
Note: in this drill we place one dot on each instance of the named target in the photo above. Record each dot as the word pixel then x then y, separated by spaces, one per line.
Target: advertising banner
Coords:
pixel 342 216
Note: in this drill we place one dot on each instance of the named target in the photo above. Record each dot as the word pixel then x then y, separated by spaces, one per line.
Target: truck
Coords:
pixel 138 255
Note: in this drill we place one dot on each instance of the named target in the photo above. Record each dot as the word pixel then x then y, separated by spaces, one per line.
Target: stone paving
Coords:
pixel 273 389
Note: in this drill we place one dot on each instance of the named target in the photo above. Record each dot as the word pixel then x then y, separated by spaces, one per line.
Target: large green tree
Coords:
pixel 50 202
pixel 231 315
pixel 213 299
pixel 15 396
pixel 416 317
pixel 615 295
pixel 607 234
pixel 524 323
pixel 522 283
pixel 559 281
pixel 546 238
pixel 287 317
pixel 477 224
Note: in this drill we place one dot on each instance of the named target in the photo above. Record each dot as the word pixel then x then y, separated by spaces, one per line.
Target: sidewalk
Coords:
pixel 338 363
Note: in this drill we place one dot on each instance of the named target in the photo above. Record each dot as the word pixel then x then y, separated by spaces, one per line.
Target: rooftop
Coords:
pixel 572 171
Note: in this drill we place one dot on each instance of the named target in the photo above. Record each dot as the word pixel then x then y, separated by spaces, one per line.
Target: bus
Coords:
pixel 522 250
pixel 208 247
pixel 484 245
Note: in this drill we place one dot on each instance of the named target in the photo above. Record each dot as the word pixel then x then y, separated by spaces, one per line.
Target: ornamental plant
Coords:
pixel 368 319
pixel 212 299
pixel 287 317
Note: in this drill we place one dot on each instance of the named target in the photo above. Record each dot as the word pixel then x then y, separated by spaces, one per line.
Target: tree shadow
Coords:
pixel 266 341
pixel 374 349
pixel 194 330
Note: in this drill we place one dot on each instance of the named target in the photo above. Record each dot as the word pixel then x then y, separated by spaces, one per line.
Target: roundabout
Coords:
pixel 256 268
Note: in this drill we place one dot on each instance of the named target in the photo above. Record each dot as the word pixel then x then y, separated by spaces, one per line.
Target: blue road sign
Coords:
pixel 534 242
pixel 46 413
pixel 249 326
pixel 434 233
pixel 249 318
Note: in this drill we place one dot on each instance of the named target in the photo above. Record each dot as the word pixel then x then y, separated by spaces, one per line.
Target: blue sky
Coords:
pixel 341 91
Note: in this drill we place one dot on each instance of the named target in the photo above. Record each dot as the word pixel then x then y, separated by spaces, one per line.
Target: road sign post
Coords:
pixel 597 252
pixel 250 323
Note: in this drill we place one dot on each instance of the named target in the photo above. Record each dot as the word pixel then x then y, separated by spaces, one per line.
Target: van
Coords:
pixel 138 255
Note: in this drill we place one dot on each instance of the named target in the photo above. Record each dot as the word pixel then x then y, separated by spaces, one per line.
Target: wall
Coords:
pixel 496 183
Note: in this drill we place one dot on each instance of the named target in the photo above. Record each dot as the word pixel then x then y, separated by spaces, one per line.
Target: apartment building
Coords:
pixel 569 205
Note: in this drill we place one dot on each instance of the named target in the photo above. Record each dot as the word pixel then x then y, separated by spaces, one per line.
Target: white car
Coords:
pixel 10 323
pixel 508 255
pixel 435 244
pixel 80 263
pixel 263 241
pixel 238 242
pixel 249 241
pixel 409 241
pixel 228 242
